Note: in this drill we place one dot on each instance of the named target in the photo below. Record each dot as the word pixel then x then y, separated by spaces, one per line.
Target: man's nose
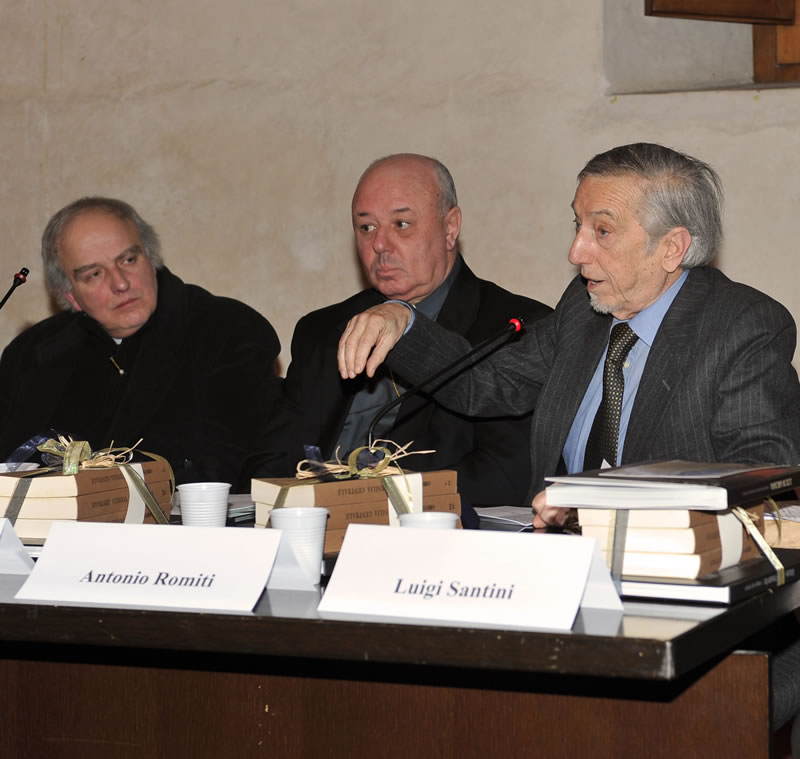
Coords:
pixel 579 252
pixel 381 242
pixel 119 281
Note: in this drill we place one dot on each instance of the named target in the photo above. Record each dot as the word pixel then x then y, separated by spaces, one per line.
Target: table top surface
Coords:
pixel 651 641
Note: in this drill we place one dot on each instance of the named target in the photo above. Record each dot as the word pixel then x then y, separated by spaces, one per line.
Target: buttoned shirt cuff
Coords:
pixel 411 308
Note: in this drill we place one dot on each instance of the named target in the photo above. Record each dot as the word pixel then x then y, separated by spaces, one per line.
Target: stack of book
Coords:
pixel 671 542
pixel 361 501
pixel 91 495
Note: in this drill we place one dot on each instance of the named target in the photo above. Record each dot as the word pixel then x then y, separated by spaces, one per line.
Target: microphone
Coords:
pixel 20 278
pixel 512 327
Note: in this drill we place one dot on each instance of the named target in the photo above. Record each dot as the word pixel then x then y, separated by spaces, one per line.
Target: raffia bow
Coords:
pixel 78 455
pixel 337 469
pixel 341 470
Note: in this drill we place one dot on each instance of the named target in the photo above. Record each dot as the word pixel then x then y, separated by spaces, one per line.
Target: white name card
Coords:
pixel 14 558
pixel 456 577
pixel 202 568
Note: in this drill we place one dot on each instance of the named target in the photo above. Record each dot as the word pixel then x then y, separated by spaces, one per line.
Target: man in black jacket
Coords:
pixel 138 353
pixel 406 222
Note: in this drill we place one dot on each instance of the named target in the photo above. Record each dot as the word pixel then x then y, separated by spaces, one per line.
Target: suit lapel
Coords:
pixel 665 368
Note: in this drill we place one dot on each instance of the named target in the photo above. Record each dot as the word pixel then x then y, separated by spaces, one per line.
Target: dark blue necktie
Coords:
pixel 604 436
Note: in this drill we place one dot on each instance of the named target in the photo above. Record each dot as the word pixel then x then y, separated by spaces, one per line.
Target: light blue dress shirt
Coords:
pixel 645 324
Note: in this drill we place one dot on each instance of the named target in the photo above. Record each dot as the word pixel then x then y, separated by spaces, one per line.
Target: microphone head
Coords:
pixel 21 276
pixel 515 325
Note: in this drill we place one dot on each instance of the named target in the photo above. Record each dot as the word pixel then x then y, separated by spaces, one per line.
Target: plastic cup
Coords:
pixel 430 520
pixel 204 504
pixel 299 559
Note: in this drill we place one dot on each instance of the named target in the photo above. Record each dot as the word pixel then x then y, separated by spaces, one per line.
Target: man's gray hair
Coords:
pixel 58 285
pixel 446 187
pixel 681 191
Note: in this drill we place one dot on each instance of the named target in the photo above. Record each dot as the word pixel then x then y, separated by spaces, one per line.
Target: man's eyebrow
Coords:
pixel 404 209
pixel 88 267
pixel 598 212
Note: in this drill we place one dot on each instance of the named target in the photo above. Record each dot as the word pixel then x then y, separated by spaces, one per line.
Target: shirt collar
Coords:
pixel 431 305
pixel 646 323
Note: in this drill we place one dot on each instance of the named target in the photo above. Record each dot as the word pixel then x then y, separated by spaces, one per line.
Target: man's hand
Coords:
pixel 547 516
pixel 369 336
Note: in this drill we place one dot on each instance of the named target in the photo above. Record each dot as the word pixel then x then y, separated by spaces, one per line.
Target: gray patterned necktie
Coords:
pixel 604 436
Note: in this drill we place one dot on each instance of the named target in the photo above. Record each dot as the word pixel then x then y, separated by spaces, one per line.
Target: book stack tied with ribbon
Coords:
pixel 358 500
pixel 691 522
pixel 104 486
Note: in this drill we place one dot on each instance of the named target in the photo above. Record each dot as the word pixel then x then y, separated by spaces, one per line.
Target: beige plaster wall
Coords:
pixel 240 129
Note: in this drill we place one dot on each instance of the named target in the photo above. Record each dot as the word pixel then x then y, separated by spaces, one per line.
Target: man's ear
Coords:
pixel 674 246
pixel 72 301
pixel 452 227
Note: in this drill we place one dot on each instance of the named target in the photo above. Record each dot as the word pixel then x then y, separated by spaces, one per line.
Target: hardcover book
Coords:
pixel 726 586
pixel 311 493
pixel 86 506
pixel 86 481
pixel 697 538
pixel 672 485
pixel 682 565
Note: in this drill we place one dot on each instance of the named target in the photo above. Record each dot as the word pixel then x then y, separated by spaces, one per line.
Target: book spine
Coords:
pixel 661 518
pixel 444 502
pixel 86 506
pixel 667 539
pixel 752 492
pixel 319 493
pixel 348 492
pixel 440 482
pixel 740 591
pixel 374 512
pixel 86 481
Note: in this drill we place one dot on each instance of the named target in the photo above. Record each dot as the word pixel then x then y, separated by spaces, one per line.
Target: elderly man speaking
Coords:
pixel 701 365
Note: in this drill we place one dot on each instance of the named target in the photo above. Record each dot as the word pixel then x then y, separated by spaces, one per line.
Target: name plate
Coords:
pixel 14 558
pixel 200 568
pixel 457 577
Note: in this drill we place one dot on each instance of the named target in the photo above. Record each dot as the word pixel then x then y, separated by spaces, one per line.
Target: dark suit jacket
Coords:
pixel 492 456
pixel 718 384
pixel 199 381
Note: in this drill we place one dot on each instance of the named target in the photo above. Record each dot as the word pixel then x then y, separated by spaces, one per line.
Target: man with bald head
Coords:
pixel 406 222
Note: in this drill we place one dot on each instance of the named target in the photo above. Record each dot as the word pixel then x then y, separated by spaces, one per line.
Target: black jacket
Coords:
pixel 198 382
pixel 492 456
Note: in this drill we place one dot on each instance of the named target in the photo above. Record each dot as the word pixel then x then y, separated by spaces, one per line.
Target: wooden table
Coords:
pixel 89 682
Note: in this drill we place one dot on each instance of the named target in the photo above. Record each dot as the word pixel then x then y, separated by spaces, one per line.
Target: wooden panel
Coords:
pixel 744 11
pixel 87 711
pixel 776 52
pixel 788 44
